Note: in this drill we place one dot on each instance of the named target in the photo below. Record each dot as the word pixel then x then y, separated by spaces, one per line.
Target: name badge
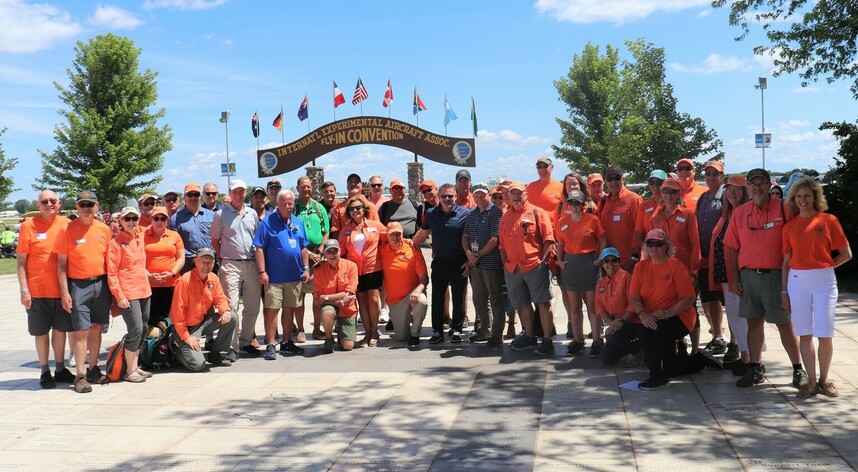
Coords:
pixel 680 219
pixel 41 236
pixel 563 228
pixel 617 217
pixel 768 225
pixel 80 241
pixel 293 244
pixel 648 210
pixel 475 247
pixel 370 230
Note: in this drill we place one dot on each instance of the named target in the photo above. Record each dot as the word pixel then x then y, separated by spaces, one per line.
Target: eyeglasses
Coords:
pixel 426 190
pixel 159 218
pixel 669 191
pixel 655 183
pixel 130 218
pixel 654 243
pixel 613 178
pixel 497 197
pixel 713 173
pixel 397 188
pixel 192 195
pixel 610 260
pixel 684 168
pixel 148 203
pixel 541 166
pixel 359 208
pixel 171 199
pixel 574 203
pixel 50 201
pixel 85 204
pixel 376 185
pixel 211 194
pixel 448 197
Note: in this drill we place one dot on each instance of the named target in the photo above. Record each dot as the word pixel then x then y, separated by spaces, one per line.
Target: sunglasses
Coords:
pixel 171 199
pixel 398 187
pixel 610 260
pixel 85 204
pixel 130 218
pixel 148 203
pixel 50 201
pixel 192 195
pixel 712 173
pixel 360 208
pixel 352 182
pixel 613 178
pixel 426 190
pixel 448 197
pixel 159 218
pixel 211 194
pixel 497 197
pixel 684 168
pixel 541 166
pixel 376 185
pixel 654 243
pixel 574 203
pixel 655 183
pixel 669 191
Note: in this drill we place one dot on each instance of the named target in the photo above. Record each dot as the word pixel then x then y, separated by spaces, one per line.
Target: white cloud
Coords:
pixel 806 90
pixel 508 138
pixel 227 42
pixel 183 4
pixel 713 64
pixel 115 18
pixel 29 28
pixel 611 11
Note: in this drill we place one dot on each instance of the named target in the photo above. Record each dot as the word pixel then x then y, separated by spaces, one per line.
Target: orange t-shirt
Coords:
pixel 612 296
pixel 37 239
pixel 192 299
pixel 618 215
pixel 662 285
pixel 366 260
pixel 581 237
pixel 162 253
pixel 815 238
pixel 145 222
pixel 692 194
pixel 328 280
pixel 757 233
pixel 466 200
pixel 546 196
pixel 520 237
pixel 339 218
pixel 402 270
pixel 86 248
pixel 126 267
pixel 645 212
pixel 681 227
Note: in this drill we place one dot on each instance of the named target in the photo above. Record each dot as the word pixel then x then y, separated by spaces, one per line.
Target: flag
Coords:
pixel 339 98
pixel 474 115
pixel 254 125
pixel 388 95
pixel 278 122
pixel 418 104
pixel 360 93
pixel 449 115
pixel 303 110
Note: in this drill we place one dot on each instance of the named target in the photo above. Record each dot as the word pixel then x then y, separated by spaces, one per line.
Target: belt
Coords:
pixel 762 271
pixel 237 260
pixel 91 279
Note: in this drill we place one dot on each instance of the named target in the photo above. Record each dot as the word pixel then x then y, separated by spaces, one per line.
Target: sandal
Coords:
pixel 144 373
pixel 134 377
pixel 373 342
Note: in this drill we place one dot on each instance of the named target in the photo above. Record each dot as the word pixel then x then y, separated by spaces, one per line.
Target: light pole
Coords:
pixel 224 118
pixel 762 86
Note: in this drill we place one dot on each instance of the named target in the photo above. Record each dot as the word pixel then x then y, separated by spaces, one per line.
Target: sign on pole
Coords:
pixel 223 169
pixel 763 140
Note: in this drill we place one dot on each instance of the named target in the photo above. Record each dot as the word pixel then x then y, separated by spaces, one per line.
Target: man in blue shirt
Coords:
pixel 282 264
pixel 446 223
pixel 193 223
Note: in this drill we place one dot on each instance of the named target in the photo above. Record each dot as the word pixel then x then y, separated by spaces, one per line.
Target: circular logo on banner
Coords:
pixel 462 151
pixel 267 162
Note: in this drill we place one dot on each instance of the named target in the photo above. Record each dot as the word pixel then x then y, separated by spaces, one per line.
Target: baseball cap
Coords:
pixel 273 183
pixel 87 196
pixel 237 183
pixel 394 227
pixel 159 210
pixel 397 182
pixel 671 183
pixel 145 197
pixel 685 161
pixel 353 176
pixel 545 160
pixel 595 177
pixel 613 170
pixel 517 186
pixel 609 251
pixel 480 187
pixel 497 190
pixel 258 189
pixel 463 174
pixel 128 211
pixel 737 180
pixel 717 165
pixel 192 187
pixel 754 173
pixel 576 196
pixel 427 184
pixel 171 192
pixel 657 235
pixel 331 243
pixel 658 174
pixel 206 251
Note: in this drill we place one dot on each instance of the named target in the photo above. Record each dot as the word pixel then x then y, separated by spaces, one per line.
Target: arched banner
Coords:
pixel 366 130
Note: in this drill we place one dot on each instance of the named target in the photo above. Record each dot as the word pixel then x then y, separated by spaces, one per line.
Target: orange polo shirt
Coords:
pixel 662 285
pixel 579 237
pixel 466 200
pixel 681 227
pixel 162 253
pixel 757 234
pixel 366 260
pixel 618 215
pixel 402 270
pixel 38 238
pixel 546 196
pixel 192 299
pixel 692 194
pixel 339 218
pixel 86 248
pixel 814 238
pixel 645 212
pixel 126 267
pixel 522 237
pixel 612 296
pixel 145 222
pixel 329 280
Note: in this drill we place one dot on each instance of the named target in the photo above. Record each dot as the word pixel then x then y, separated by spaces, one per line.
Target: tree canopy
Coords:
pixel 816 40
pixel 7 186
pixel 624 113
pixel 110 143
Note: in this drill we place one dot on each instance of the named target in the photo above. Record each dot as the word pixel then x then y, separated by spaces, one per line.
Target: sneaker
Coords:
pixel 807 391
pixel 653 384
pixel 827 389
pixel 545 348
pixel 216 358
pixel 301 338
pixel 270 353
pixel 72 362
pixel 524 342
pixel 389 326
pixel 709 360
pixel 81 385
pixel 472 337
pixel 733 353
pixel 64 376
pixel 436 338
pixel 413 340
pixel 575 348
pixel 494 342
pixel 329 345
pixel 596 350
pixel 456 337
pixel 716 346
pixel 251 351
pixel 289 347
pixel 800 378
pixel 46 381
pixel 231 356
pixel 384 316
pixel 94 376
pixel 753 376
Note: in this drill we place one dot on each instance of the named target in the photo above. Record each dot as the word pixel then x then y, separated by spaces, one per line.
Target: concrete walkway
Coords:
pixel 444 407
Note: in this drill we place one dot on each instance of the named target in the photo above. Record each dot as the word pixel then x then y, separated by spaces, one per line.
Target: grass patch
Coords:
pixel 8 266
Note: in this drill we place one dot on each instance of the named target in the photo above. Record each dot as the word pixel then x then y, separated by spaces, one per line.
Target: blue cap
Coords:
pixel 609 251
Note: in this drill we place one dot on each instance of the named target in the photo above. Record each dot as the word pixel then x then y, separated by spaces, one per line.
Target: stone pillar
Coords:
pixel 317 175
pixel 415 176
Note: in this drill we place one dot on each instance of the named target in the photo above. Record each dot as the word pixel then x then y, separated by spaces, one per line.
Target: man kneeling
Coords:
pixel 193 315
pixel 336 283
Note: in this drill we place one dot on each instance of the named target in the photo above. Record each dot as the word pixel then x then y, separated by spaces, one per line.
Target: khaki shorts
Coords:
pixel 307 287
pixel 761 297
pixel 285 295
pixel 347 328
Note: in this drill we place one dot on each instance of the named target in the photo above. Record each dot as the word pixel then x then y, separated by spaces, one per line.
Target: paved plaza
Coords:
pixel 443 407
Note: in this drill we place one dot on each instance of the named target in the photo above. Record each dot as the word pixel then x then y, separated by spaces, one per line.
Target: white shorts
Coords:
pixel 813 300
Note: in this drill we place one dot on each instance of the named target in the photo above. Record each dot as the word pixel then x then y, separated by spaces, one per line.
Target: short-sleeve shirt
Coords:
pixel 465 200
pixel 757 234
pixel 379 202
pixel 315 220
pixel 404 213
pixel 612 296
pixel 126 267
pixel 329 280
pixel 402 270
pixel 339 218
pixel 38 239
pixel 86 248
pixel 546 196
pixel 681 227
pixel 367 260
pixel 523 236
pixel 447 229
pixel 192 299
pixel 708 213
pixel 580 237
pixel 691 195
pixel 618 214
pixel 662 285
pixel 481 226
pixel 282 242
pixel 194 229
pixel 161 253
pixel 811 241
pixel 234 231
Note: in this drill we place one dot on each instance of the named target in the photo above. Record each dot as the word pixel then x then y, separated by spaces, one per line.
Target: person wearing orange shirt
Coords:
pixel 40 288
pixel 596 189
pixel 81 266
pixel 146 203
pixel 618 212
pixel 336 282
pixel 405 281
pixel 165 257
pixel 808 276
pixel 200 307
pixel 623 326
pixel 691 190
pixel 339 214
pixel 646 210
pixel 545 192
pixel 129 284
pixel 463 190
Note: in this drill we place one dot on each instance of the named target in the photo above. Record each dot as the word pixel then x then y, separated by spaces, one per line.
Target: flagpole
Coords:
pixel 306 95
pixel 282 132
pixel 417 115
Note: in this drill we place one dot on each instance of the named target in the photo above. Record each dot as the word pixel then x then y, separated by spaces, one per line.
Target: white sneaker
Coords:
pixel 382 317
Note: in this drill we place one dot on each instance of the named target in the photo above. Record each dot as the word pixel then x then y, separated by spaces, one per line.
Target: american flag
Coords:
pixel 360 93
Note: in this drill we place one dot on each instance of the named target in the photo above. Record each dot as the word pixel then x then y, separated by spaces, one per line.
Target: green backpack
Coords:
pixel 156 352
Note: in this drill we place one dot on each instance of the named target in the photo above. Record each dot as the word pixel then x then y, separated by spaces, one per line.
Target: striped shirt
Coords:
pixel 480 226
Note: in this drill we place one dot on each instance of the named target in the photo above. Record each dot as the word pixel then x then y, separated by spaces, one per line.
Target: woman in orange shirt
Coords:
pixel 612 305
pixel 359 240
pixel 810 287
pixel 165 257
pixel 129 284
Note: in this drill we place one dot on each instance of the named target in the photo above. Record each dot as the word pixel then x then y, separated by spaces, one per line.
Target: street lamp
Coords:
pixel 224 118
pixel 762 86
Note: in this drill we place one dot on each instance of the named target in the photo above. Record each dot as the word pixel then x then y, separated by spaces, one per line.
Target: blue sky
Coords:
pixel 215 55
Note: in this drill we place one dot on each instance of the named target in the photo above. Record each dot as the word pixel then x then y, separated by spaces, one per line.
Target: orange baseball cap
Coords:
pixel 427 184
pixel 192 187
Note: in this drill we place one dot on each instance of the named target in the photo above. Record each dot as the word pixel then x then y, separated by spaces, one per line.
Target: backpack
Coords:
pixel 115 366
pixel 156 352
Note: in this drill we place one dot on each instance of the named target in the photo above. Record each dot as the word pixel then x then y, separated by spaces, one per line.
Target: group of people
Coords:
pixel 637 266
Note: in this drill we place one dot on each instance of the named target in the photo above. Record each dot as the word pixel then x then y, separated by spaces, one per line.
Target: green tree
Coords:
pixel 842 200
pixel 816 40
pixel 6 166
pixel 111 142
pixel 624 113
pixel 23 206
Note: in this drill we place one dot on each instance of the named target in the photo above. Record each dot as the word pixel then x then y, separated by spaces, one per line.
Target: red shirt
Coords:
pixel 681 227
pixel 402 270
pixel 546 196
pixel 757 234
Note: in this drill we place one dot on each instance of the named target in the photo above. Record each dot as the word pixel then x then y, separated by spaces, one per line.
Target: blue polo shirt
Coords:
pixel 194 229
pixel 447 229
pixel 282 242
